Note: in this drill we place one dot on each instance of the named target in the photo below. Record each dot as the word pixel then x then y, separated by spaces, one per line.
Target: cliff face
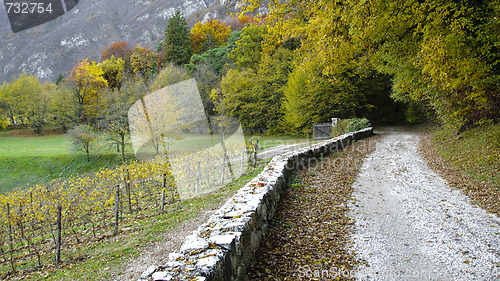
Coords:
pixel 55 47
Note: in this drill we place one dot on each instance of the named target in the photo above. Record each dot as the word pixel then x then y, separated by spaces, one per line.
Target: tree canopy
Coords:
pixel 209 35
pixel 177 44
pixel 441 54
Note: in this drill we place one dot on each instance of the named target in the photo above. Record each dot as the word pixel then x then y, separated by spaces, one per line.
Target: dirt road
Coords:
pixel 411 226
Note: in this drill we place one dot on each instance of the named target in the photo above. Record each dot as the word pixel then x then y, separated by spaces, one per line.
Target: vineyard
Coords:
pixel 39 222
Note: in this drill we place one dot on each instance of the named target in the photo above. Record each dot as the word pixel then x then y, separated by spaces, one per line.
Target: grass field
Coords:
pixel 34 159
pixel 31 160
pixel 34 146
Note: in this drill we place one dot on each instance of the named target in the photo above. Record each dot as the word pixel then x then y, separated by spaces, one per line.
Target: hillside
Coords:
pixel 55 47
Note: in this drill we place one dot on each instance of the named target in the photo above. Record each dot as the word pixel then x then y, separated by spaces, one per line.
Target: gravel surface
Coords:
pixel 410 225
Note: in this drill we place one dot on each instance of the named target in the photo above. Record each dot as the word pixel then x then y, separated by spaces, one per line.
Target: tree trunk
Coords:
pixel 123 146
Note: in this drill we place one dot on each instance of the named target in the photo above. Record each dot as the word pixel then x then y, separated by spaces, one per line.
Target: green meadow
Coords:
pixel 29 160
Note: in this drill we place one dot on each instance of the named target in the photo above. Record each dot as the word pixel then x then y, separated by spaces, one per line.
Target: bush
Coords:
pixel 350 125
pixel 3 125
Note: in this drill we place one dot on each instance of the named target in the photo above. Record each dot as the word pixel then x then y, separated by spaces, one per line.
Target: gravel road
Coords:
pixel 411 226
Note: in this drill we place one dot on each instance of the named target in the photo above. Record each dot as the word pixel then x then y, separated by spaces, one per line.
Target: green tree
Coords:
pixel 305 98
pixel 177 44
pixel 133 89
pixel 39 111
pixel 273 72
pixel 207 80
pixel 254 97
pixel 64 107
pixel 239 99
pixel 59 79
pixel 26 102
pixel 439 53
pixel 248 48
pixel 217 59
pixel 169 75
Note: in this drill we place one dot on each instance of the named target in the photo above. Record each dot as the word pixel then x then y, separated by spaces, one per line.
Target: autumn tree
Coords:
pixel 255 96
pixel 177 44
pixel 26 102
pixel 119 49
pixel 443 54
pixel 209 35
pixel 133 89
pixel 169 75
pixel 113 69
pixel 86 79
pixel 144 62
pixel 237 23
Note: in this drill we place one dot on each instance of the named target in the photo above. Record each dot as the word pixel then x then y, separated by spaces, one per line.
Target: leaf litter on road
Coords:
pixel 309 237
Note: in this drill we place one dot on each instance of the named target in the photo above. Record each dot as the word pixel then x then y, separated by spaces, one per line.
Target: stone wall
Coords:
pixel 223 248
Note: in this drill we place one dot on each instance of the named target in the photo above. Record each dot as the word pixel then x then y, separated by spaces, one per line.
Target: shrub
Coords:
pixel 350 125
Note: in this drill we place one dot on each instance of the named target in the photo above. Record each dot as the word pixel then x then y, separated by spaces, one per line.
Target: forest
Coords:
pixel 303 62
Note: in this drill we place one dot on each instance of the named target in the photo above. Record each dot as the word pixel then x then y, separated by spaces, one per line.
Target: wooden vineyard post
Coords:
pixel 127 187
pixel 11 242
pixel 255 153
pixel 117 209
pixel 33 228
pixel 162 203
pixel 223 169
pixel 171 189
pixel 59 230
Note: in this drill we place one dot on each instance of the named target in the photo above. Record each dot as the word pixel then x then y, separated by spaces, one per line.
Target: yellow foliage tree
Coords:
pixel 209 35
pixel 143 61
pixel 86 79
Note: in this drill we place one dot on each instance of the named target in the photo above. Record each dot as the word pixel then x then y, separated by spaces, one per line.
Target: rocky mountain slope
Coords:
pixel 55 47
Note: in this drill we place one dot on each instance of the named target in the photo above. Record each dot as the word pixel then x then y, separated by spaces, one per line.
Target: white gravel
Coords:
pixel 411 226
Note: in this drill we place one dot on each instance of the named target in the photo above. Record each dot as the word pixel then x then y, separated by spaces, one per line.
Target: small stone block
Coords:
pixel 146 274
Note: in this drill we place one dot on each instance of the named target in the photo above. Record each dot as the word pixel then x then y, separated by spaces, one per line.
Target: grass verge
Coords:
pixel 469 161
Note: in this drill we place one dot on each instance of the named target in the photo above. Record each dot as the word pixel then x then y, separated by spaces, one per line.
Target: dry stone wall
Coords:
pixel 223 248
